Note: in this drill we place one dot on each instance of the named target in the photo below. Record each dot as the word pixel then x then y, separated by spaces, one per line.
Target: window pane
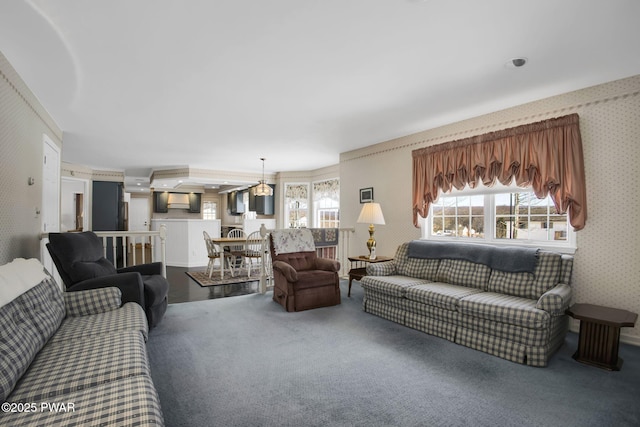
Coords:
pixel 438 226
pixel 518 215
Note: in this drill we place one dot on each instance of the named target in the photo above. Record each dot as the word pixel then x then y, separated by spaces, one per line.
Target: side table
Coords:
pixel 359 267
pixel 599 337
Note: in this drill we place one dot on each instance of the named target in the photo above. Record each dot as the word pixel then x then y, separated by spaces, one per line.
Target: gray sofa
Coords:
pixel 71 358
pixel 508 302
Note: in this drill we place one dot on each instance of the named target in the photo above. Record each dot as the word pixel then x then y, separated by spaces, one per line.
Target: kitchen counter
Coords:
pixel 185 241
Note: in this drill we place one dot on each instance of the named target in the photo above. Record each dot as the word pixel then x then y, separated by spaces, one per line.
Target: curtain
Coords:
pixel 297 191
pixel 546 156
pixel 327 189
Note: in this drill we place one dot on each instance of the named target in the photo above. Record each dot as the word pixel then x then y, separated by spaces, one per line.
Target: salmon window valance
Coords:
pixel 546 156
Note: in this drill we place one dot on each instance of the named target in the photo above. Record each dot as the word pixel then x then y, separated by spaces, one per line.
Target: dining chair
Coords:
pixel 253 250
pixel 236 251
pixel 213 251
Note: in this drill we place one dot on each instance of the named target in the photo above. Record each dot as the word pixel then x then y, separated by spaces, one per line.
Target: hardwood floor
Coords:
pixel 184 289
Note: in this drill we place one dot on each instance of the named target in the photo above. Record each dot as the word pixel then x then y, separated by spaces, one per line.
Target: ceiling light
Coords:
pixel 263 189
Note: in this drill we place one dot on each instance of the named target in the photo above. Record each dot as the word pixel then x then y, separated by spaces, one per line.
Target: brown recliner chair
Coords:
pixel 302 281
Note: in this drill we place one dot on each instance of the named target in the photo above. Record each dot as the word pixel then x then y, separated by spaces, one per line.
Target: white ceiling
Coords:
pixel 138 85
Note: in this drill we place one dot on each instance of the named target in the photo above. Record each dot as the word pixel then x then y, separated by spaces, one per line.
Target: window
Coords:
pixel 458 216
pixel 498 216
pixel 209 210
pixel 523 216
pixel 296 205
pixel 326 203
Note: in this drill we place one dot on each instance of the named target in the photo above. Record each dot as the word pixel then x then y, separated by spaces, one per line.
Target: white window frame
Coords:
pixel 567 246
pixel 288 210
pixel 205 214
pixel 318 205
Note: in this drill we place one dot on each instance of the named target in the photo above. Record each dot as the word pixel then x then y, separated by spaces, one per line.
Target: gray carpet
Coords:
pixel 243 361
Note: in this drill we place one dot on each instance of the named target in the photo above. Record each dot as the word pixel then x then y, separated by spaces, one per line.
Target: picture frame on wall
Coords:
pixel 366 195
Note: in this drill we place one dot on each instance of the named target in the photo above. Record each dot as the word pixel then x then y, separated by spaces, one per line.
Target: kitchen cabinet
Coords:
pixel 194 202
pixel 262 205
pixel 235 204
pixel 160 201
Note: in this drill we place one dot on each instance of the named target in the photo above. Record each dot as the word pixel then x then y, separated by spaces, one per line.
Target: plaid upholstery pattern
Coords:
pixel 493 345
pixel 391 285
pixel 389 300
pixel 516 316
pixel 83 303
pixel 431 326
pixel 45 305
pixel 567 269
pixel 415 267
pixel 129 317
pixel 505 309
pixel 519 334
pixel 383 310
pixel 414 307
pixel 27 323
pixel 96 360
pixel 131 401
pixel 386 268
pixel 438 294
pixel 463 273
pixel 545 277
pixel 556 300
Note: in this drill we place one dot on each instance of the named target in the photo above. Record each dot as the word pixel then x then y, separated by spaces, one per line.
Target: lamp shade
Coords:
pixel 371 214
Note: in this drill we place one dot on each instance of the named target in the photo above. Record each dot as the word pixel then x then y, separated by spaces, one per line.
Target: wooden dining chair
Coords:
pixel 213 251
pixel 253 250
pixel 236 251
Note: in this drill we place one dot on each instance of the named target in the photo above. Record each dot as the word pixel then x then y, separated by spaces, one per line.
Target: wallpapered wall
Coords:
pixel 23 121
pixel 607 262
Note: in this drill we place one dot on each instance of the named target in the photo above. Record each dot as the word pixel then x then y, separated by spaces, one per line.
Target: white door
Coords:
pixel 139 214
pixel 50 210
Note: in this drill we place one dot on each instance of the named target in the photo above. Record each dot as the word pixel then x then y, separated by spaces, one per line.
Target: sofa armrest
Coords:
pixel 287 270
pixel 93 301
pixel 387 268
pixel 145 269
pixel 327 264
pixel 130 285
pixel 556 300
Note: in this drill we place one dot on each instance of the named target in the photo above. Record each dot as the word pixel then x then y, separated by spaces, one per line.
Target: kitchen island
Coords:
pixel 185 241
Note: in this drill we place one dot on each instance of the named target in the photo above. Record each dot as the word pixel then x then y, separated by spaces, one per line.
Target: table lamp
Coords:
pixel 371 214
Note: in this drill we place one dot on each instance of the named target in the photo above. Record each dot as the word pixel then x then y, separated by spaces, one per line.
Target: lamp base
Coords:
pixel 371 243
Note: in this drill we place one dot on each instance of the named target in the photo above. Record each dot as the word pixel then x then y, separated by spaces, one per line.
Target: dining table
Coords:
pixel 227 242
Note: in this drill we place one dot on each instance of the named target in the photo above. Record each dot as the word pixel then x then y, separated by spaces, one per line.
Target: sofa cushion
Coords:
pixel 504 308
pixel 415 267
pixel 96 360
pixel 390 285
pixel 463 273
pixel 92 301
pixel 526 285
pixel 27 323
pixel 438 294
pixel 129 401
pixel 129 317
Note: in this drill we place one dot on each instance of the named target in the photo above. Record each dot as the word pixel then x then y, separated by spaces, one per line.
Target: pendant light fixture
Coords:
pixel 263 189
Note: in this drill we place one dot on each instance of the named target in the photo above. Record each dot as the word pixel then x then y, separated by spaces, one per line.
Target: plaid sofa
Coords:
pixel 73 359
pixel 518 316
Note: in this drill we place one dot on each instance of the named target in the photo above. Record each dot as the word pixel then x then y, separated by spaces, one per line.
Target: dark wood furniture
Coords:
pixel 600 334
pixel 359 267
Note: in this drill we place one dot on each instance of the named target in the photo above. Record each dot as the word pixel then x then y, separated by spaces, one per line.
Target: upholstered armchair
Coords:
pixel 80 261
pixel 302 281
